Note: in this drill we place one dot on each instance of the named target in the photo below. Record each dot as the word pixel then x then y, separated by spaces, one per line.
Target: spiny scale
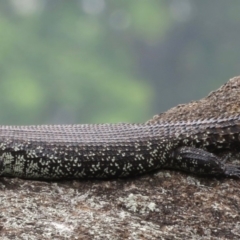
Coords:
pixel 117 150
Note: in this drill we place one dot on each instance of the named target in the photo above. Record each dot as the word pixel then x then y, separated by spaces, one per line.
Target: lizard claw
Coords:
pixel 232 171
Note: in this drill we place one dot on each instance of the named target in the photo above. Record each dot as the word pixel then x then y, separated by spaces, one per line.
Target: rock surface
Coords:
pixel 163 205
pixel 160 205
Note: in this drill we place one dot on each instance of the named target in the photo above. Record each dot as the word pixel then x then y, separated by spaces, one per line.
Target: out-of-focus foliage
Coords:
pixel 109 61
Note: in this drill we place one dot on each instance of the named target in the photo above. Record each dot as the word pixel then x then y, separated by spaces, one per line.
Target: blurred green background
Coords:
pixel 91 61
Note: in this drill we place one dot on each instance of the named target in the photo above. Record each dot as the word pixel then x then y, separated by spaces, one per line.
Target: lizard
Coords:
pixel 181 139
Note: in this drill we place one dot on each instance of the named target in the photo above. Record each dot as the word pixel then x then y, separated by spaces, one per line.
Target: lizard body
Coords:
pixel 187 140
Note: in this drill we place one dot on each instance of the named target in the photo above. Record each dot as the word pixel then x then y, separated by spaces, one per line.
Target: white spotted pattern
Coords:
pixel 113 150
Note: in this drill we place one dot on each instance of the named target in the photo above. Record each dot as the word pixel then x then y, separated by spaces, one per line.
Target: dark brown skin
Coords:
pixel 186 138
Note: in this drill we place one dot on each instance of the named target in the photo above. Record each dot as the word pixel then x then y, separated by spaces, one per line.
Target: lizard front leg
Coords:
pixel 199 161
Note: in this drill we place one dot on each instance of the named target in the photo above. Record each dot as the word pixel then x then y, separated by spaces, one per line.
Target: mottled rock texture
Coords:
pixel 164 205
pixel 160 205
